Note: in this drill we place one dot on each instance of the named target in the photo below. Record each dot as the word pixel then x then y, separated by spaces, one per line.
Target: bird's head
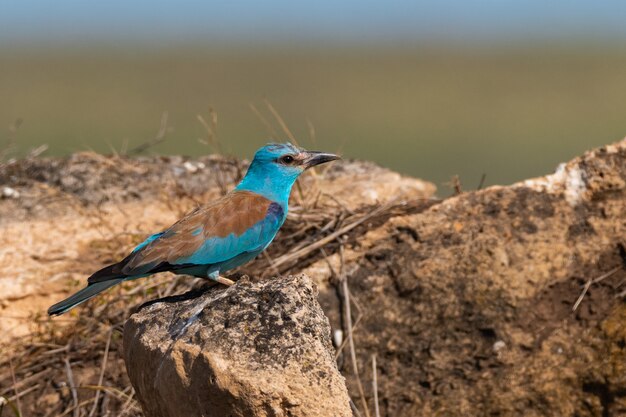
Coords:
pixel 276 167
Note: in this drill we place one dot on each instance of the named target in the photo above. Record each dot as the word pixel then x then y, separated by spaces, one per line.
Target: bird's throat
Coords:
pixel 274 188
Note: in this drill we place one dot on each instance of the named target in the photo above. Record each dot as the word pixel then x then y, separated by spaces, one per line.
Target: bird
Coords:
pixel 217 236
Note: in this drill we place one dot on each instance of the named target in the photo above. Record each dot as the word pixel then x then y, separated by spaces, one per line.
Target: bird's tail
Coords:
pixel 83 295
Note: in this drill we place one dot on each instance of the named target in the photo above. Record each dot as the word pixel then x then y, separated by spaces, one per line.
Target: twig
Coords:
pixel 70 379
pixel 590 282
pixel 160 137
pixel 66 412
pixel 375 386
pixel 124 146
pixel 359 316
pixel 281 122
pixel 312 135
pixel 17 395
pixel 112 390
pixel 316 245
pixel 354 409
pixel 35 152
pixel 10 143
pixel 170 288
pixel 348 314
pixel 211 137
pixel 24 381
pixel 270 262
pixel 355 326
pixel 339 202
pixel 102 369
pixel 127 405
pixel 24 392
pixel 263 120
pixel 455 183
pixel 482 181
pixel 344 341
pixel 5 401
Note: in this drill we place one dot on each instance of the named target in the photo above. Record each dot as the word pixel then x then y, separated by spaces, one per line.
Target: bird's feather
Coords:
pixel 81 296
pixel 239 222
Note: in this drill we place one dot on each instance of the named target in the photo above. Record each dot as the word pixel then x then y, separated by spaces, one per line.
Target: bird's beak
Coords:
pixel 316 158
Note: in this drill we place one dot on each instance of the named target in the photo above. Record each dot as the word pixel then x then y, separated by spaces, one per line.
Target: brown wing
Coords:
pixel 234 213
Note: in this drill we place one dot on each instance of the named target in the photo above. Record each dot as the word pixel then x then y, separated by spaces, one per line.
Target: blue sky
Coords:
pixel 319 20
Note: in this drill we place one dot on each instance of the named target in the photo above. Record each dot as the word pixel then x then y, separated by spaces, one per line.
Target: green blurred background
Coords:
pixel 508 108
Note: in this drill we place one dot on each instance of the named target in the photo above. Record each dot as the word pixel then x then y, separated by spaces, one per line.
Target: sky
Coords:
pixel 320 20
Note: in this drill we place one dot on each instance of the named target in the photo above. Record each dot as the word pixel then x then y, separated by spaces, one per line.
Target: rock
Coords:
pixel 254 349
pixel 468 305
pixel 357 183
pixel 8 192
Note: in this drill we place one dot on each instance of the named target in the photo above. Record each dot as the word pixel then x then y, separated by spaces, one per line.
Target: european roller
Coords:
pixel 217 236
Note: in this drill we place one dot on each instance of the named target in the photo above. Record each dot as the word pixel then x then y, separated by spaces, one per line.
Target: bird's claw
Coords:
pixel 225 281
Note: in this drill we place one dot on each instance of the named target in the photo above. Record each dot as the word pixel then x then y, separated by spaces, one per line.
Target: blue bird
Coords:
pixel 218 236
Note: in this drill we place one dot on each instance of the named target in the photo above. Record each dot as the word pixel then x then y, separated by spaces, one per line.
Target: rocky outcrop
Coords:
pixel 254 349
pixel 469 305
pixel 507 301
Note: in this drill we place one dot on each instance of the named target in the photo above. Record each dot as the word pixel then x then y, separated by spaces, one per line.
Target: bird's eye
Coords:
pixel 287 159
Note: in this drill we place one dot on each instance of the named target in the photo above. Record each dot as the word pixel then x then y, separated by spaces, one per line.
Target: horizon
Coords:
pixel 323 22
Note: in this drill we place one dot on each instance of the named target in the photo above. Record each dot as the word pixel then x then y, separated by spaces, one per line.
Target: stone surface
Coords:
pixel 357 184
pixel 468 305
pixel 254 349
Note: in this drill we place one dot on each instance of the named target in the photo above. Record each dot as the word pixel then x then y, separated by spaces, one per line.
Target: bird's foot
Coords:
pixel 217 278
pixel 225 281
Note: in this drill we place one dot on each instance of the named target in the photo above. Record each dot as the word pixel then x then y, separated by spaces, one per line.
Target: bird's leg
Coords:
pixel 215 276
